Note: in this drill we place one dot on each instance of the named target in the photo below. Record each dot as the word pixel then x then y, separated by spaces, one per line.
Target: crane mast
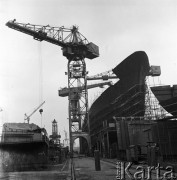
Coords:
pixel 75 48
pixel 75 103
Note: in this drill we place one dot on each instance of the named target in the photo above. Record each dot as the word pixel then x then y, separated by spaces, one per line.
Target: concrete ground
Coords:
pixel 84 170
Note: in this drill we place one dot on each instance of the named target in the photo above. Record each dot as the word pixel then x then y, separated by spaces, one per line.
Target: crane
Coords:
pixel 27 117
pixel 104 76
pixel 63 92
pixel 75 48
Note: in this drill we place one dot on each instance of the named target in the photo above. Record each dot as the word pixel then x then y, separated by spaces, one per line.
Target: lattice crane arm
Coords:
pixel 104 76
pixel 28 116
pixel 65 91
pixel 70 39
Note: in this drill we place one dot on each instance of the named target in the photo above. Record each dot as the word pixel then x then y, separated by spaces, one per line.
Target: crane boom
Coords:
pixel 70 39
pixel 65 91
pixel 104 76
pixel 28 116
pixel 38 32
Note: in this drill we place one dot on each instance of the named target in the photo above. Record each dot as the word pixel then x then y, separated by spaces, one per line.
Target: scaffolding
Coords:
pixel 130 103
pixel 153 110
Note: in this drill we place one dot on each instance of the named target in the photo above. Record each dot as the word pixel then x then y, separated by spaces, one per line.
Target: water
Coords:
pixel 59 172
pixel 34 175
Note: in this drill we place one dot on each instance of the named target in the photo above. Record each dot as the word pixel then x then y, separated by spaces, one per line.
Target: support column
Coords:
pixel 97 160
pixel 108 143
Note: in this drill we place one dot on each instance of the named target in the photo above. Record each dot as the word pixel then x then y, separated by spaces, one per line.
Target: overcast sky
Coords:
pixel 118 27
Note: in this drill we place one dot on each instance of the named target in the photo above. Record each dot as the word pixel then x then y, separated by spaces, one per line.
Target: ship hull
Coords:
pixel 131 72
pixel 124 99
pixel 23 147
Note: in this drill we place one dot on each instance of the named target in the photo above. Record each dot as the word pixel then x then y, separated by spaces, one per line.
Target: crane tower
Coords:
pixel 55 136
pixel 75 48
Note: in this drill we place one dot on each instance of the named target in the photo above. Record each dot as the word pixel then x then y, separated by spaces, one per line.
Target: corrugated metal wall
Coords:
pixel 165 134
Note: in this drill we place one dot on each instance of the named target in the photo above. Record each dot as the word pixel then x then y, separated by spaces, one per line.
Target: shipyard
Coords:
pixel 88 90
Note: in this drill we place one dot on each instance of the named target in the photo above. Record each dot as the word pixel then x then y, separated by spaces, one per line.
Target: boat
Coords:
pixel 23 146
pixel 124 99
pixel 118 118
pixel 131 72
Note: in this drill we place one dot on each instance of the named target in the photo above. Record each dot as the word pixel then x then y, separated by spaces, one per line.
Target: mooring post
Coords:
pixel 97 160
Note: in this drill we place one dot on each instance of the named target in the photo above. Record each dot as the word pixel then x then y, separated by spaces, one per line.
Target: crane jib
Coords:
pixel 40 36
pixel 72 45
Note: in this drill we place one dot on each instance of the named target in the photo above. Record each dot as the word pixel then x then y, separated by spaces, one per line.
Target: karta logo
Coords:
pixel 125 171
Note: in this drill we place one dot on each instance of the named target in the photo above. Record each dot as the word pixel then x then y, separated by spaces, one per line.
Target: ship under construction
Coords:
pixel 132 119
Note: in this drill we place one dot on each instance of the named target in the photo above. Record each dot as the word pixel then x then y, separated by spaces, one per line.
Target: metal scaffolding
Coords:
pixel 153 110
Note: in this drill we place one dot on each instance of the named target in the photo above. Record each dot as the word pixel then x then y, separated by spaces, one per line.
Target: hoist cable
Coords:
pixel 40 67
